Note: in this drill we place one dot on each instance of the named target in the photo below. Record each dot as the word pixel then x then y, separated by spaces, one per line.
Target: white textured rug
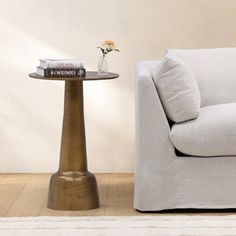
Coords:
pixel 170 225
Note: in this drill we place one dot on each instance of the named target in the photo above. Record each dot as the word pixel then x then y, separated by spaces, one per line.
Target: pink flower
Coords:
pixel 107 46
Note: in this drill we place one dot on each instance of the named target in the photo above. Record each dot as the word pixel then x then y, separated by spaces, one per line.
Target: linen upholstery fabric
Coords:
pixel 178 89
pixel 213 133
pixel 163 180
pixel 214 70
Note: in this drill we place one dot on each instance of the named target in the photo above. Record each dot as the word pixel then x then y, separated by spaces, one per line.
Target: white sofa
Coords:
pixel 191 164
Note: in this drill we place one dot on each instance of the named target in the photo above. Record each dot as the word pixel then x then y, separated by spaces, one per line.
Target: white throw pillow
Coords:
pixel 178 89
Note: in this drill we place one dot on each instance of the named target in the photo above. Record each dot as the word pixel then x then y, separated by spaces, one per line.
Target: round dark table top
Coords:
pixel 90 75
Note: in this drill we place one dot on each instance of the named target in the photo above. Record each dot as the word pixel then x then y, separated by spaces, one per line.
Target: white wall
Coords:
pixel 31 110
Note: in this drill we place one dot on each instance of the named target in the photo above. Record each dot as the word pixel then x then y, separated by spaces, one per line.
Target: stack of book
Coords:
pixel 61 68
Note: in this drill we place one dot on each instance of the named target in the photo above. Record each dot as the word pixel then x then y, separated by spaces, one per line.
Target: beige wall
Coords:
pixel 31 111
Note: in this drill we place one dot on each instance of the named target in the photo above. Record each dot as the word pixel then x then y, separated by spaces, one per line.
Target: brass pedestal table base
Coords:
pixel 73 187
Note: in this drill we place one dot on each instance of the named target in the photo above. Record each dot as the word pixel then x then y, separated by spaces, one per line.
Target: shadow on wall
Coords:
pixel 32 110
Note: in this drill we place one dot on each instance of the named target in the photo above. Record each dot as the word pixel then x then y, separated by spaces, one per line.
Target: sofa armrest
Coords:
pixel 152 127
pixel 155 154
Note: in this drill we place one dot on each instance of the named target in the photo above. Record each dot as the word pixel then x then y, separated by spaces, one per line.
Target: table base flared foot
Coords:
pixel 73 191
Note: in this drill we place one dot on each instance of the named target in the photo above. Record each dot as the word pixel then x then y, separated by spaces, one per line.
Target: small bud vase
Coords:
pixel 102 66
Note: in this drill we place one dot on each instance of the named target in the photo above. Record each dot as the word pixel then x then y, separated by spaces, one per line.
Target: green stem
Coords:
pixel 103 58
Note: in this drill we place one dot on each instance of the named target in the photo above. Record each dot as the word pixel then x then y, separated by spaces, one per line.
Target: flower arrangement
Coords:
pixel 106 47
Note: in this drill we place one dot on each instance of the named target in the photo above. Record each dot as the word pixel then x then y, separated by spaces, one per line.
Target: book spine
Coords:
pixel 61 64
pixel 64 72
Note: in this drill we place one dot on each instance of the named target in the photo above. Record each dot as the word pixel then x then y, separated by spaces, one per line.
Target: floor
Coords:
pixel 26 195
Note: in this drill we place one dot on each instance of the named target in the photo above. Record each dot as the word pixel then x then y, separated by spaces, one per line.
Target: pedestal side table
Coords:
pixel 73 187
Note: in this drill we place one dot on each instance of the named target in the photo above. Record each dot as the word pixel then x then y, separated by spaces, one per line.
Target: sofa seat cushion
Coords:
pixel 213 133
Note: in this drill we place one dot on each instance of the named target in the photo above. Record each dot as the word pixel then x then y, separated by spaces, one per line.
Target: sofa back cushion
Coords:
pixel 178 89
pixel 215 71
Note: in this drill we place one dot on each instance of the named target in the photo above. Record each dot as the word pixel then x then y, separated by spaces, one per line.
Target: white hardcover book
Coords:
pixel 60 63
pixel 39 71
